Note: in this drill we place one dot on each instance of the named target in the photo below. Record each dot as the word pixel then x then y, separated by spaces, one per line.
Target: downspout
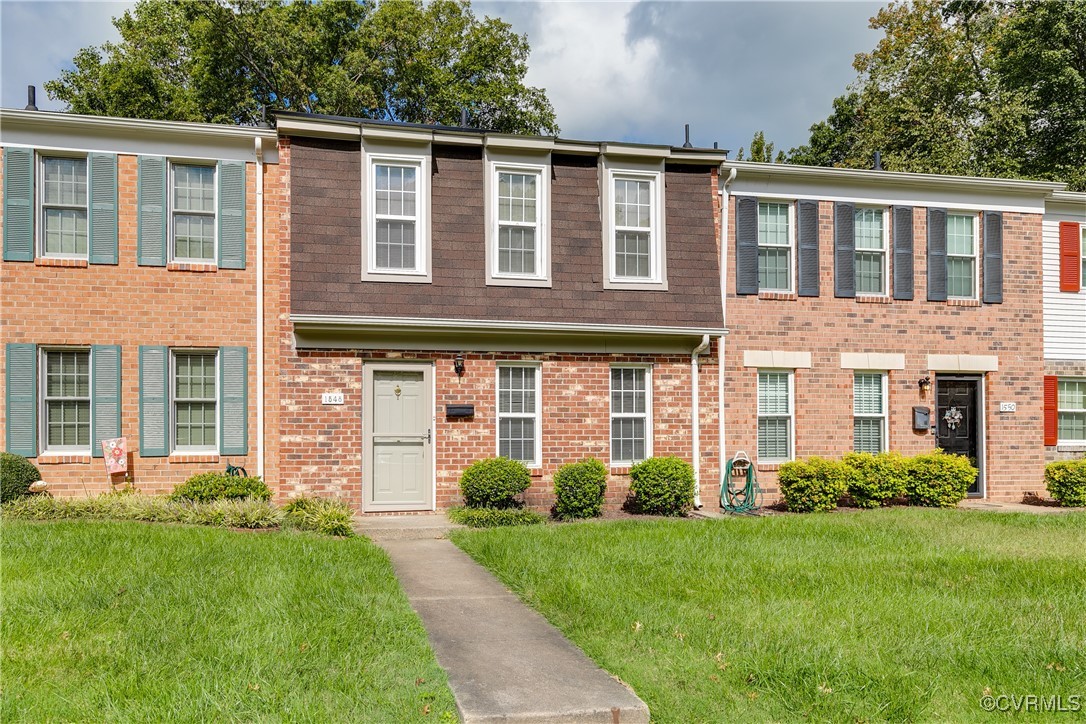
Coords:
pixel 697 416
pixel 724 313
pixel 259 148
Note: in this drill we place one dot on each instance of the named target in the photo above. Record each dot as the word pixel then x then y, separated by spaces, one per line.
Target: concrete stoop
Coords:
pixel 404 527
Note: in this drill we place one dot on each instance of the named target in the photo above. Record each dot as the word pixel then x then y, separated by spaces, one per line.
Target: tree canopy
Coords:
pixel 221 62
pixel 966 87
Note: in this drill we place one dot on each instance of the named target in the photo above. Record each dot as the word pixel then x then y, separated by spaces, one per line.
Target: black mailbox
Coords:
pixel 921 419
pixel 459 410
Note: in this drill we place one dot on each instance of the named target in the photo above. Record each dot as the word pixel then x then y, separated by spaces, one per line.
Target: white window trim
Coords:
pixel 1082 259
pixel 791 414
pixel 792 246
pixel 649 432
pixel 885 252
pixel 214 260
pixel 654 173
pixel 537 415
pixel 44 448
pixel 39 204
pixel 882 416
pixel 541 167
pixel 1062 441
pixel 975 215
pixel 175 449
pixel 373 156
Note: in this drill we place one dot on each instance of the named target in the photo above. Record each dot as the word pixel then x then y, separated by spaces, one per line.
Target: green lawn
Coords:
pixel 899 614
pixel 112 621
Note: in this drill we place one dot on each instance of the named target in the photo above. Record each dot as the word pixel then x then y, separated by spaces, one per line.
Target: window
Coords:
pixel 634 229
pixel 631 415
pixel 1071 408
pixel 871 244
pixel 397 246
pixel 518 413
pixel 517 240
pixel 66 404
pixel 774 416
pixel 869 412
pixel 774 247
pixel 64 207
pixel 192 211
pixel 195 395
pixel 961 256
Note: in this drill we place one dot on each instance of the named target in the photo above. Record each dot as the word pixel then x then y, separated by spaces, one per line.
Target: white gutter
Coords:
pixel 724 311
pixel 696 416
pixel 259 147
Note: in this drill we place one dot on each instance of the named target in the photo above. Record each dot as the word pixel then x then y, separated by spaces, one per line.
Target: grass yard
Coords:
pixel 898 614
pixel 120 621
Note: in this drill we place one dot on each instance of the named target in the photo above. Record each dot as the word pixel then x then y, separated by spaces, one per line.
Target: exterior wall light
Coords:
pixel 924 383
pixel 458 365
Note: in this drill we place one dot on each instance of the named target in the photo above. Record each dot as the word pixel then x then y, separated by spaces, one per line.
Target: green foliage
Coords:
pixel 938 479
pixel 579 489
pixel 761 151
pixel 219 62
pixel 876 479
pixel 815 484
pixel 205 487
pixel 238 513
pixel 16 476
pixel 323 515
pixel 1066 481
pixel 494 517
pixel 494 483
pixel 662 486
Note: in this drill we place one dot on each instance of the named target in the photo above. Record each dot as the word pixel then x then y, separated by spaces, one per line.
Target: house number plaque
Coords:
pixel 332 398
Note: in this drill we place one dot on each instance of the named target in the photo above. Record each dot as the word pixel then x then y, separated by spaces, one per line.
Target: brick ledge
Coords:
pixel 963 303
pixel 53 261
pixel 184 266
pixel 47 459
pixel 779 296
pixel 193 458
pixel 874 299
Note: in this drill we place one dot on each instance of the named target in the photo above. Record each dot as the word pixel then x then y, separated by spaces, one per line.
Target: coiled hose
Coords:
pixel 744 499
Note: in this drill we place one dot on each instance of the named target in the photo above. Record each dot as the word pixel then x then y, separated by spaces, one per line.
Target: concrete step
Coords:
pixel 404 527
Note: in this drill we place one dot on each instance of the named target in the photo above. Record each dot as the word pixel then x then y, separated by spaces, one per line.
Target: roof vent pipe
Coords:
pixel 686 143
pixel 716 145
pixel 31 94
pixel 463 117
pixel 878 161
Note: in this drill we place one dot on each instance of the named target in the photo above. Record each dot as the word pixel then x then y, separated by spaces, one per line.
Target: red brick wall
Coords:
pixel 826 326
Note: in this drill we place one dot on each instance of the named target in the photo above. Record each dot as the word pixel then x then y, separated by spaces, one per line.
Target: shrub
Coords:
pixel 1066 481
pixel 876 478
pixel 205 487
pixel 494 517
pixel 937 479
pixel 494 483
pixel 245 513
pixel 814 485
pixel 579 489
pixel 323 515
pixel 662 486
pixel 16 476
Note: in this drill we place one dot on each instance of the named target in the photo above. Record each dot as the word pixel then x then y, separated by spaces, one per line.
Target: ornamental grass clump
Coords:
pixel 494 517
pixel 579 489
pixel 327 516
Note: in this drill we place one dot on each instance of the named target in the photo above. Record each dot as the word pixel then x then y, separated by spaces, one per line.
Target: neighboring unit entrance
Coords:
pixel 397 425
pixel 959 425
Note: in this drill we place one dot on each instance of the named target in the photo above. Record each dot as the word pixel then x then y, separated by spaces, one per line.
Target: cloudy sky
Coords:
pixel 634 71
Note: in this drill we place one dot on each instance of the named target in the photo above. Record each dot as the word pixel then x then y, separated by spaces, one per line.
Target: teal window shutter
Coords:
pixel 154 401
pixel 231 215
pixel 234 395
pixel 103 208
pixel 151 201
pixel 18 204
pixel 22 399
pixel 105 395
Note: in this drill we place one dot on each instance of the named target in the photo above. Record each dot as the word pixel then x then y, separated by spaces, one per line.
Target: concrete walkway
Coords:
pixel 997 506
pixel 504 661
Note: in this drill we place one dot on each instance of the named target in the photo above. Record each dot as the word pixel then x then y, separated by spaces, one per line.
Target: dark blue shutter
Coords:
pixel 154 401
pixel 844 249
pixel 231 215
pixel 746 245
pixel 152 221
pixel 18 204
pixel 21 393
pixel 102 221
pixel 936 255
pixel 993 257
pixel 234 400
pixel 807 226
pixel 903 252
pixel 105 395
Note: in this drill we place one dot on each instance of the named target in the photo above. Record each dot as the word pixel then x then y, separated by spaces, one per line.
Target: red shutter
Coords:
pixel 1051 418
pixel 1070 263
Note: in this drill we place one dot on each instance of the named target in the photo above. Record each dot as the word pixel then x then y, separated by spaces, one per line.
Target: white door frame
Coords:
pixel 368 368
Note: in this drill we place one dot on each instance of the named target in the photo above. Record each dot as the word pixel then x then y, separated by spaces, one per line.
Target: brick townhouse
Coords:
pixel 1064 259
pixel 871 311
pixel 450 294
pixel 129 295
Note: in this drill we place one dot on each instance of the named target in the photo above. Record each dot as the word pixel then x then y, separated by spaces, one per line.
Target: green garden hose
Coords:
pixel 744 499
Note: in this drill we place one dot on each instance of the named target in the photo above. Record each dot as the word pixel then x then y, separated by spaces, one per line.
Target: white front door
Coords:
pixel 398 421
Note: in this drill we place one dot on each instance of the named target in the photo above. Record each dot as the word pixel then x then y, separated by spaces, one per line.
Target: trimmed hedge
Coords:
pixel 205 487
pixel 938 479
pixel 579 489
pixel 815 484
pixel 1066 481
pixel 494 517
pixel 877 479
pixel 662 486
pixel 494 483
pixel 17 474
pixel 323 515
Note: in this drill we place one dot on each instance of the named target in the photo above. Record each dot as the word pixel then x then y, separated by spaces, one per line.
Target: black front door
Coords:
pixel 957 412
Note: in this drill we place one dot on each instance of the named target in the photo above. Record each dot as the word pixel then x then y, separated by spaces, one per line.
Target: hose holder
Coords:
pixel 740 492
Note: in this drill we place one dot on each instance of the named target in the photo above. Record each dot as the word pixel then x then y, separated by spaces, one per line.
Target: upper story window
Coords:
pixel 961 256
pixel 66 400
pixel 871 256
pixel 634 242
pixel 518 239
pixel 64 207
pixel 774 246
pixel 397 245
pixel 192 208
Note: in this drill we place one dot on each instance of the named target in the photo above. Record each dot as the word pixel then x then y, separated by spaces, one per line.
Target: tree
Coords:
pixel 760 151
pixel 221 62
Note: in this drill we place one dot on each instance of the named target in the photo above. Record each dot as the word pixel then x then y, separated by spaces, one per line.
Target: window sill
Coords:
pixel 69 263
pixel 634 285
pixel 64 459
pixel 769 467
pixel 535 472
pixel 1071 447
pixel 620 469
pixel 194 457
pixel 186 266
pixel 874 299
pixel 963 303
pixel 518 282
pixel 779 296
